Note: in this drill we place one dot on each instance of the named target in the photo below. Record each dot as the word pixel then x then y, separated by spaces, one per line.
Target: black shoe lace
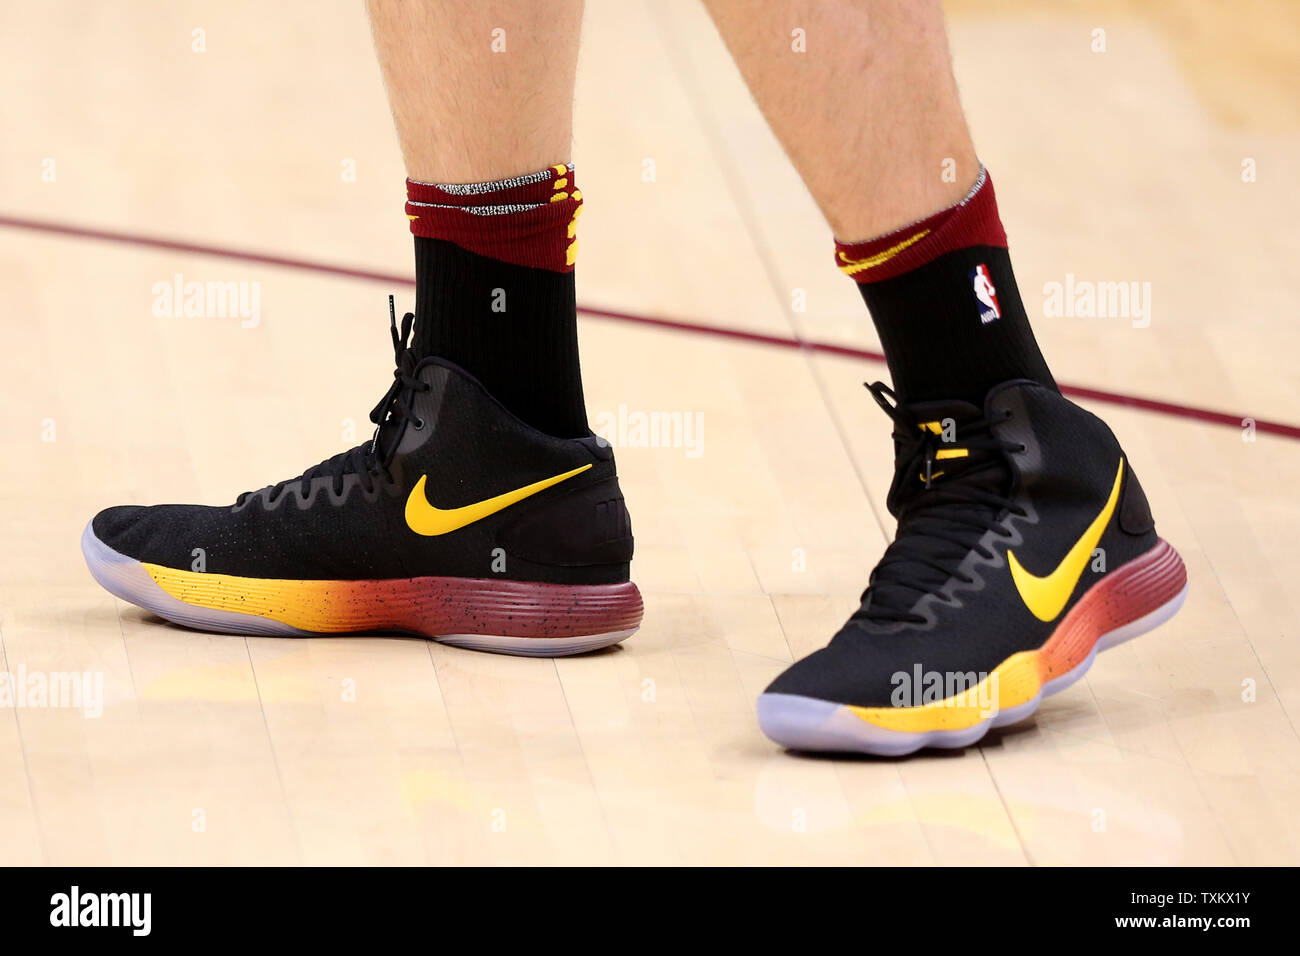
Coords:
pixel 369 461
pixel 942 512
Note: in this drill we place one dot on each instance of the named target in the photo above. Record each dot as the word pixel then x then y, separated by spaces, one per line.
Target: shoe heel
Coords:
pixel 1131 600
pixel 525 617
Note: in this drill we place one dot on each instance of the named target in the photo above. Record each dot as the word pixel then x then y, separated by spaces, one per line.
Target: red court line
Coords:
pixel 1171 409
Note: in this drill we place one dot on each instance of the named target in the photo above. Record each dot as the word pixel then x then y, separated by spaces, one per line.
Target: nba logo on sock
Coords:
pixel 985 294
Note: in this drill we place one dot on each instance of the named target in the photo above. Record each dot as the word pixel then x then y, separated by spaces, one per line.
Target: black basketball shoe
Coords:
pixel 457 521
pixel 1024 545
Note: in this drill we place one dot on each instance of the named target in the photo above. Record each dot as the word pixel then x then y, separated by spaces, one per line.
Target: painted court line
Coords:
pixel 1171 409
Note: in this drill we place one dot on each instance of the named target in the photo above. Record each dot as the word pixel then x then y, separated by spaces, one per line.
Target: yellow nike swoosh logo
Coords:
pixel 1047 596
pixel 423 518
pixel 851 266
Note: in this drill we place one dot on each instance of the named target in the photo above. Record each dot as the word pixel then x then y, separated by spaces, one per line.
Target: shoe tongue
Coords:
pixel 935 415
pixel 391 426
pixel 388 437
pixel 944 424
pixel 927 522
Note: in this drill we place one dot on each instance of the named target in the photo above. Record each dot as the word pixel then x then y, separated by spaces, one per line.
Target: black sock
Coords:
pixel 514 328
pixel 935 342
pixel 945 304
pixel 494 289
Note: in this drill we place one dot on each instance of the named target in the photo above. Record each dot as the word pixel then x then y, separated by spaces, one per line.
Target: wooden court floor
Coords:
pixel 1168 159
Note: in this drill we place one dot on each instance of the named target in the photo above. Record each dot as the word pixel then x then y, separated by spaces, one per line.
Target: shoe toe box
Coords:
pixel 157 534
pixel 858 675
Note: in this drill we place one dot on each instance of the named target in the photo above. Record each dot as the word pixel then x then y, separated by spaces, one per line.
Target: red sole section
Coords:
pixel 1140 587
pixel 521 609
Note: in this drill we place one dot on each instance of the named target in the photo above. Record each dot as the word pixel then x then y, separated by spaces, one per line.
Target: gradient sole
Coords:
pixel 508 617
pixel 1131 600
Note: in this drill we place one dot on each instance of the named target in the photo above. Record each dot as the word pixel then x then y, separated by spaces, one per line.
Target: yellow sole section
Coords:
pixel 321 606
pixel 1014 682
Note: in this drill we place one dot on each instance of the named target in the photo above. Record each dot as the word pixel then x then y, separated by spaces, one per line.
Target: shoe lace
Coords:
pixel 939 521
pixel 370 460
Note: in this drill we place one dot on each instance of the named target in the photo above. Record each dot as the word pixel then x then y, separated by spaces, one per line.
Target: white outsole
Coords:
pixel 808 724
pixel 127 579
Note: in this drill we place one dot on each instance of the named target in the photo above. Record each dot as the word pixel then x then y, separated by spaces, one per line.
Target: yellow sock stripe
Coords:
pixel 853 266
pixel 571 253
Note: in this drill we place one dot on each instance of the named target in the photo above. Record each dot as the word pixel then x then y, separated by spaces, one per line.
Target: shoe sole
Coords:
pixel 1133 599
pixel 507 617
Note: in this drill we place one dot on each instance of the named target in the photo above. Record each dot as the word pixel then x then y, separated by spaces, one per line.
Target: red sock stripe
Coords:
pixel 972 222
pixel 528 221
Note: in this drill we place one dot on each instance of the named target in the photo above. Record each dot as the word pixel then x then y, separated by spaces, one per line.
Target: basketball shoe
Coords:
pixel 456 521
pixel 1024 546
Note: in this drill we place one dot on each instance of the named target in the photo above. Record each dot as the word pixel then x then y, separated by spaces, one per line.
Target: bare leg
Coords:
pixel 869 114
pixel 467 112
